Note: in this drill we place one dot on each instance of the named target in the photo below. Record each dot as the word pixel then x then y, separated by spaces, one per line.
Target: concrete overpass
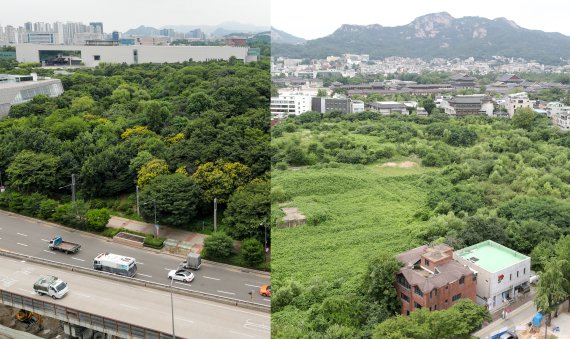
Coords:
pixel 118 307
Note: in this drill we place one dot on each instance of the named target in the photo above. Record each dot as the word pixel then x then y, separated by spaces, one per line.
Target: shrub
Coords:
pixel 152 242
pixel 97 219
pixel 218 246
pixel 252 251
pixel 111 231
pixel 47 209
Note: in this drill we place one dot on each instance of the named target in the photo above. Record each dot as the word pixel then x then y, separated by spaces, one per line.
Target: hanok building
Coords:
pixel 463 105
pixel 502 273
pixel 463 81
pixel 432 279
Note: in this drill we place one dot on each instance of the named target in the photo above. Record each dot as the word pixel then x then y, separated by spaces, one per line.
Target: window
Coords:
pixel 461 280
pixel 418 291
pixel 474 277
pixel 402 281
pixel 417 306
pixel 435 307
pixel 430 293
pixel 405 297
pixel 524 271
pixel 517 274
pixel 426 262
pixel 511 276
pixel 96 57
pixel 446 301
pixel 456 297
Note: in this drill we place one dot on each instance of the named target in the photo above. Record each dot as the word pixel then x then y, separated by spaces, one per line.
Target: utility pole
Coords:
pixel 73 187
pixel 215 214
pixel 138 207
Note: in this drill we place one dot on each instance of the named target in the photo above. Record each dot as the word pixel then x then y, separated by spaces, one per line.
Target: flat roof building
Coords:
pixel 21 89
pixel 502 272
pixel 91 56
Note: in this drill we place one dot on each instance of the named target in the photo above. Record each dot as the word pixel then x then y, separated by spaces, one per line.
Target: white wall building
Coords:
pixel 290 104
pixel 501 272
pixel 18 89
pixel 516 101
pixel 135 54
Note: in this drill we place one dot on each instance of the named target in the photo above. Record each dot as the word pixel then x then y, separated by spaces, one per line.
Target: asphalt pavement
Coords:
pixel 30 236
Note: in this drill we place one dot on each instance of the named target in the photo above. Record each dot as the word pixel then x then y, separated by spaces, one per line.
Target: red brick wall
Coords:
pixel 467 290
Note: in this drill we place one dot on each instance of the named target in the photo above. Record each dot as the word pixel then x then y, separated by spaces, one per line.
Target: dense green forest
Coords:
pixel 372 186
pixel 185 133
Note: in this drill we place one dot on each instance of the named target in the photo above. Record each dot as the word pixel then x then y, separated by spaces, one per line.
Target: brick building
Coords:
pixel 431 279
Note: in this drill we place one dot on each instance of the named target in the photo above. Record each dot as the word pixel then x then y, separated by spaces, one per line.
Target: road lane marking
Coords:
pixel 22 234
pixel 81 295
pixel 45 240
pixel 168 269
pixel 129 306
pixel 252 285
pixel 226 292
pixel 245 335
pixel 266 299
pixel 145 275
pixel 210 278
pixel 251 325
pixel 50 252
pixel 182 319
pixel 183 284
pixel 74 258
pixel 140 263
pixel 19 243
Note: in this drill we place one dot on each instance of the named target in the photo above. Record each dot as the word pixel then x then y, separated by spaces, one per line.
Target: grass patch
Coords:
pixel 352 213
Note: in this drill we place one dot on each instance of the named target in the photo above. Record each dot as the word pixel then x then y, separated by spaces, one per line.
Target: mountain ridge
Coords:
pixel 437 35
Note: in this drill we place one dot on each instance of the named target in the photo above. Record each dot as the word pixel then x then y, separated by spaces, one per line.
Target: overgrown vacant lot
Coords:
pixel 352 212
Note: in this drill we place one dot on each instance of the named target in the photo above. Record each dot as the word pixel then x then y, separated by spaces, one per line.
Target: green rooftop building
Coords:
pixel 501 272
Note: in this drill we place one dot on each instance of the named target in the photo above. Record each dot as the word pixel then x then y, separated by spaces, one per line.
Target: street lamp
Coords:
pixel 172 307
pixel 155 223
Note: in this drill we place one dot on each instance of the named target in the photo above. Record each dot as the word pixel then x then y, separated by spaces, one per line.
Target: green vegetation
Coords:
pixel 116 126
pixel 373 186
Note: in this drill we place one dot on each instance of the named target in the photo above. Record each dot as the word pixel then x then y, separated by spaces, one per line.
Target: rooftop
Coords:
pixel 491 256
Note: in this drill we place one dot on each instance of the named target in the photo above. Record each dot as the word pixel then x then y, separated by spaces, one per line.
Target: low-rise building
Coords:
pixel 388 107
pixel 18 89
pixel 516 101
pixel 431 279
pixel 502 273
pixel 463 105
pixel 290 104
pixel 324 105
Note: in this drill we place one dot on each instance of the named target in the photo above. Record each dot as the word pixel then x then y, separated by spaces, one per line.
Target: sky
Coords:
pixel 121 15
pixel 312 19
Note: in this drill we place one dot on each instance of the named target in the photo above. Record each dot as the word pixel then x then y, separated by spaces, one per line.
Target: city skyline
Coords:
pixel 122 16
pixel 362 12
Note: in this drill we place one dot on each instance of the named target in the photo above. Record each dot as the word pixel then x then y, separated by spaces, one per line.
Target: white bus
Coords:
pixel 115 263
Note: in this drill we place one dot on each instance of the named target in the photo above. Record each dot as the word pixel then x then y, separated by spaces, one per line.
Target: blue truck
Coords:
pixel 57 243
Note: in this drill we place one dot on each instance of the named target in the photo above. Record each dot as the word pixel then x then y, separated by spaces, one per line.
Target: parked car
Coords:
pixel 265 290
pixel 181 275
pixel 509 335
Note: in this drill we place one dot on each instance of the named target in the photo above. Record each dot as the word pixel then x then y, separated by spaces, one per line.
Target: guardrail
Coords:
pixel 78 317
pixel 163 287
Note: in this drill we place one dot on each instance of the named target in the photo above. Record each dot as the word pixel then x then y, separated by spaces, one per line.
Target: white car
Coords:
pixel 181 275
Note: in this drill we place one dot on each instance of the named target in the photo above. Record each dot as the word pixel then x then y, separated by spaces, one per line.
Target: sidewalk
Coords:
pixel 180 241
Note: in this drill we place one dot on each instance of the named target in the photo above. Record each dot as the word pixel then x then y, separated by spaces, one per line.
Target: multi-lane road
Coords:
pixel 138 305
pixel 31 237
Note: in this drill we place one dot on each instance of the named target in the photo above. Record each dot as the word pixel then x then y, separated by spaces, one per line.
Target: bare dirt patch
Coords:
pixel 403 164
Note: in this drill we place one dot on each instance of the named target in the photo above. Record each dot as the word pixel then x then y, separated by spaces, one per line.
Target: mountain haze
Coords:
pixel 436 35
pixel 278 36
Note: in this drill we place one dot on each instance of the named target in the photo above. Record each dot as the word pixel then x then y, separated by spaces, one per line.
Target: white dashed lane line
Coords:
pixel 19 243
pixel 45 240
pixel 226 292
pixel 22 234
pixel 50 252
pixel 252 285
pixel 78 259
pixel 210 278
pixel 266 299
pixel 145 275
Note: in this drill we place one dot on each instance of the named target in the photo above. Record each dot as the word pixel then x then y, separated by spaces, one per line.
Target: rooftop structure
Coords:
pixel 21 89
pixel 491 256
pixel 502 272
